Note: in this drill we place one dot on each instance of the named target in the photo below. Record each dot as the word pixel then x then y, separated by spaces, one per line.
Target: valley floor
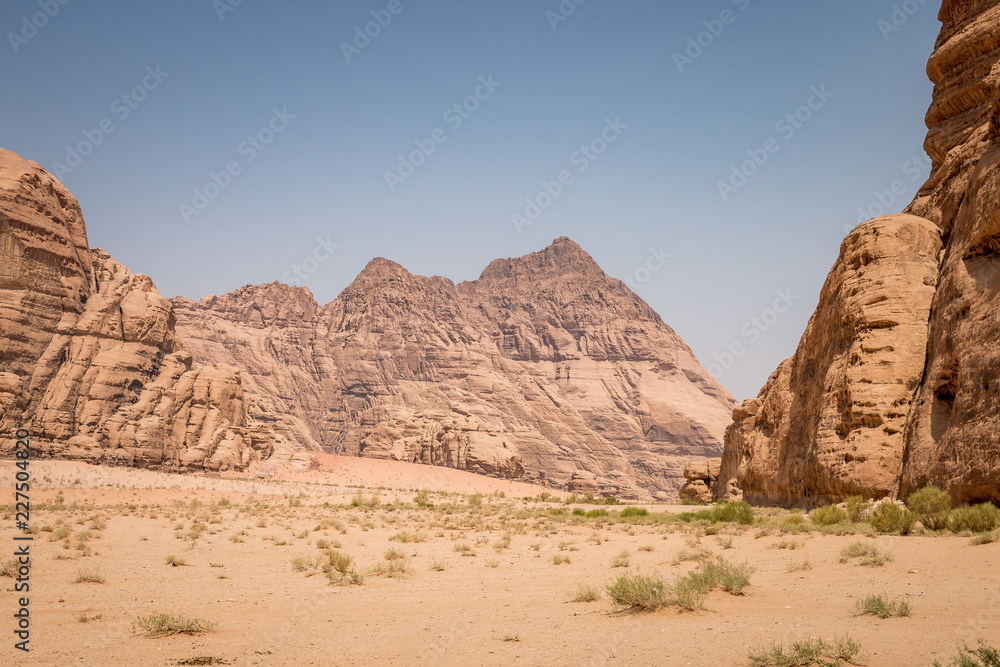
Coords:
pixel 468 573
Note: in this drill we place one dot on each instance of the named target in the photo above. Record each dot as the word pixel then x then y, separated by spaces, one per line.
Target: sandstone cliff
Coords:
pixel 89 359
pixel 544 368
pixel 894 383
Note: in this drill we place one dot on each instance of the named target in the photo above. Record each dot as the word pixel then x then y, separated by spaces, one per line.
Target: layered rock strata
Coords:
pixel 90 362
pixel 894 384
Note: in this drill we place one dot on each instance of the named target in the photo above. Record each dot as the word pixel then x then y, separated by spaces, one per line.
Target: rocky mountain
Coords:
pixel 894 384
pixel 90 362
pixel 544 369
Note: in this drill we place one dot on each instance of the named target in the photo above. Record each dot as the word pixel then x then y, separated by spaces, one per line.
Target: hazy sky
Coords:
pixel 216 144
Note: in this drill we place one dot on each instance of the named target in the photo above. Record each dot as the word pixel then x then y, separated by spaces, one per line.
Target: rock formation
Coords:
pixel 700 476
pixel 544 368
pixel 894 383
pixel 89 359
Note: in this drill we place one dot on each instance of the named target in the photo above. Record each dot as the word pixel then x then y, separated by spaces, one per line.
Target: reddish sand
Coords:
pixel 506 605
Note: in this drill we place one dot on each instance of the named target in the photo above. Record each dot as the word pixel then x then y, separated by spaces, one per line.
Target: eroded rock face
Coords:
pixel 953 434
pixel 830 420
pixel 700 475
pixel 89 359
pixel 543 368
pixel 894 384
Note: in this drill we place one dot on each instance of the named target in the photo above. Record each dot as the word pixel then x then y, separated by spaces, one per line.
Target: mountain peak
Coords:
pixel 563 256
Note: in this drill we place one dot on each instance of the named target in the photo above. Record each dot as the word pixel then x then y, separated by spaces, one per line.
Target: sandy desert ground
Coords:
pixel 468 573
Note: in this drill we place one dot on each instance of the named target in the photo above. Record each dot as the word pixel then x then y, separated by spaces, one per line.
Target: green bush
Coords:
pixel 984 656
pixel 891 518
pixel 828 515
pixel 630 512
pixel 883 607
pixel 638 592
pixel 868 552
pixel 977 518
pixel 597 514
pixel 726 512
pixel 856 507
pixel 933 505
pixel 843 650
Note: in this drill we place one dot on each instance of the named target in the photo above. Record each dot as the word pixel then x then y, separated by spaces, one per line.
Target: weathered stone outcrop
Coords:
pixel 89 359
pixel 700 476
pixel 543 368
pixel 894 383
pixel 830 420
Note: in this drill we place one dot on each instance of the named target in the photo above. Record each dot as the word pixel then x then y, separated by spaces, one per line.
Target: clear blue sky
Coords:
pixel 323 175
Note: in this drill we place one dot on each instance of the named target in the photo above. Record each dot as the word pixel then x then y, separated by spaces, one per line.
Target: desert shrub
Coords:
pixel 89 575
pixel 423 498
pixel 691 554
pixel 984 538
pixel 559 559
pixel 395 569
pixel 975 518
pixel 797 567
pixel 409 537
pixel 828 515
pixel 638 592
pixel 688 592
pixel 579 511
pixel 621 560
pixel 868 552
pixel 730 577
pixel 843 650
pixel 882 606
pixel 9 568
pixel 793 520
pixel 176 561
pixel 586 594
pixel 163 625
pixel 307 563
pixel 630 512
pixel 856 507
pixel 337 561
pixel 730 512
pixel 984 656
pixel 932 505
pixel 891 518
pixel 597 514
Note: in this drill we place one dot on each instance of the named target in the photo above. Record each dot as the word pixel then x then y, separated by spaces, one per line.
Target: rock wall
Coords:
pixel 544 368
pixel 894 383
pixel 89 359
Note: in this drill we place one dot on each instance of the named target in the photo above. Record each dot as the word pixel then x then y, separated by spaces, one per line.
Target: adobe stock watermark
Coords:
pixel 655 261
pixel 884 200
pixel 363 35
pixel 751 332
pixel 223 7
pixel 454 116
pixel 299 273
pixel 30 25
pixel 900 16
pixel 581 159
pixel 121 107
pixel 562 12
pixel 248 150
pixel 787 126
pixel 698 44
